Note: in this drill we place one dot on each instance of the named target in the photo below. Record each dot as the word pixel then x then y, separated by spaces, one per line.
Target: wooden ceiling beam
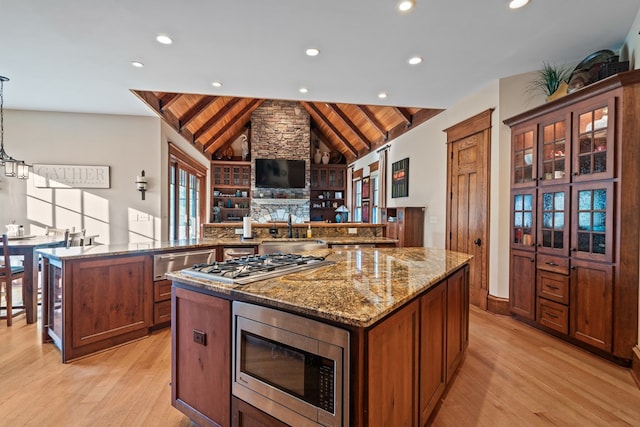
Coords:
pixel 246 111
pixel 313 110
pixel 347 121
pixel 167 99
pixel 155 103
pixel 404 113
pixel 216 118
pixel 371 118
pixel 194 111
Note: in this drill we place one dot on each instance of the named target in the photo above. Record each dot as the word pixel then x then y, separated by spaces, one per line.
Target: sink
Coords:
pixel 290 246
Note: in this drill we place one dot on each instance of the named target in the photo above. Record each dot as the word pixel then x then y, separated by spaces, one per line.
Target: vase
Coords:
pixel 325 158
pixel 317 158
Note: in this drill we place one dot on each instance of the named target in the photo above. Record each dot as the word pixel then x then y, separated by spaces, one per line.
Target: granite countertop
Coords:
pixel 363 285
pixel 96 251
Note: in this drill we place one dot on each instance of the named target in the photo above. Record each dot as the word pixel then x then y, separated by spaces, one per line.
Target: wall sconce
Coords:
pixel 141 183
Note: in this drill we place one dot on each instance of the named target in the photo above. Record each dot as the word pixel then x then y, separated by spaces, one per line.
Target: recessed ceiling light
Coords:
pixel 517 4
pixel 312 51
pixel 137 64
pixel 415 60
pixel 216 84
pixel 406 5
pixel 382 95
pixel 164 39
pixel 304 90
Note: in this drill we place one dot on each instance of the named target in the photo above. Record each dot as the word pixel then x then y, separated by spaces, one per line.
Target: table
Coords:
pixel 26 247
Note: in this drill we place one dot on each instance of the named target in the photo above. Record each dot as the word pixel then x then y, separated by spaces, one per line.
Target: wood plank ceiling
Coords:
pixel 212 123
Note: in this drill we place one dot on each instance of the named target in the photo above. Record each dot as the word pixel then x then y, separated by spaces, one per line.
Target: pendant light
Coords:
pixel 12 167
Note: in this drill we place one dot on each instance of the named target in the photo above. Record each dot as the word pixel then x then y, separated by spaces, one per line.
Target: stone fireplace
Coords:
pixel 280 130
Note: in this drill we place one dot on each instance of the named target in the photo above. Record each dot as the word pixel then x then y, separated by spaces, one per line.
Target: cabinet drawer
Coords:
pixel 161 312
pixel 553 315
pixel 553 263
pixel 553 286
pixel 161 290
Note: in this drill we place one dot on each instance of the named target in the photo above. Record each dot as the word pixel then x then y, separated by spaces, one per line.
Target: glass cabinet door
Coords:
pixel 553 221
pixel 523 208
pixel 555 151
pixel 594 142
pixel 523 157
pixel 592 221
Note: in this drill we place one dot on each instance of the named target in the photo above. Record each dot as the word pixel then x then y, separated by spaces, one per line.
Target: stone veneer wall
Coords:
pixel 280 130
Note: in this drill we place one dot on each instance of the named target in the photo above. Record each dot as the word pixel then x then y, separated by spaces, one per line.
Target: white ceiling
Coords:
pixel 75 55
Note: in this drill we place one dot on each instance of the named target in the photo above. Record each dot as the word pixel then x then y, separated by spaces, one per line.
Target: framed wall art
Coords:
pixel 365 211
pixel 400 178
pixel 365 188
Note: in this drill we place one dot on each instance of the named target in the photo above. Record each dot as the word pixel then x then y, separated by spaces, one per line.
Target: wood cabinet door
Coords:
pixel 108 298
pixel 592 221
pixel 522 284
pixel 523 218
pixel 591 309
pixel 553 220
pixel 392 362
pixel 457 319
pixel 245 415
pixel 524 156
pixel 433 344
pixel 201 357
pixel 594 139
pixel 554 156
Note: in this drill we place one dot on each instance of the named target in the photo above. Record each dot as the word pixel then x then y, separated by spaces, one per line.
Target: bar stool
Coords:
pixel 8 274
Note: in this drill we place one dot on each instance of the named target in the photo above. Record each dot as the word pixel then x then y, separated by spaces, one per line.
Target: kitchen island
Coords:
pixel 405 312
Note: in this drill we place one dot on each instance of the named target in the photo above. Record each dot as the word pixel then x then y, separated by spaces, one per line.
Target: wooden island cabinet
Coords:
pixel 574 216
pixel 400 364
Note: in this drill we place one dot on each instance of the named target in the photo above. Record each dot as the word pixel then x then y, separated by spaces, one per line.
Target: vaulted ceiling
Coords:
pixel 212 123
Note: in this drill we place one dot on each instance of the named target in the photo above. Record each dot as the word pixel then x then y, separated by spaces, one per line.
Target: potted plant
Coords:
pixel 551 80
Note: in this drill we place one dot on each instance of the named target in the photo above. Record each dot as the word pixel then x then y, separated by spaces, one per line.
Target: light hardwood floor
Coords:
pixel 512 375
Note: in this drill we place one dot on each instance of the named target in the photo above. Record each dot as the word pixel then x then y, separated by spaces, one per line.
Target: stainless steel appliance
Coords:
pixel 174 261
pixel 295 246
pixel 293 368
pixel 252 268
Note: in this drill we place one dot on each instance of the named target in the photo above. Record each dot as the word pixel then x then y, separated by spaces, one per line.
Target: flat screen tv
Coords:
pixel 280 173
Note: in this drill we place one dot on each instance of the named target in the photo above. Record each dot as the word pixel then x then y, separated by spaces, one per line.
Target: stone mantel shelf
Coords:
pixel 277 201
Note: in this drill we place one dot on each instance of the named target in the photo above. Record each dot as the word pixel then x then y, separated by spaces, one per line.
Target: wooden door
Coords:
pixel 467 210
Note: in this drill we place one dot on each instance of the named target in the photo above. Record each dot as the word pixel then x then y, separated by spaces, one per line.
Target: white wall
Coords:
pixel 127 144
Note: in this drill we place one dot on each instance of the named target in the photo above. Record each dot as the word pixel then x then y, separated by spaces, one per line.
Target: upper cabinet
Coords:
pixel 524 156
pixel 594 146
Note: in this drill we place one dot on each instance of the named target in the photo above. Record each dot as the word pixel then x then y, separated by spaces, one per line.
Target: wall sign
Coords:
pixel 400 178
pixel 71 176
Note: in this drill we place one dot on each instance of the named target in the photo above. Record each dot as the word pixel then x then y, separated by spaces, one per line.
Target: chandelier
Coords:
pixel 12 167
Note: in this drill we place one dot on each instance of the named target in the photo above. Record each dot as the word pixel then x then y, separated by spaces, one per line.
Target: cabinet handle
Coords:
pixel 555 288
pixel 477 242
pixel 552 264
pixel 573 250
pixel 551 315
pixel 575 174
pixel 532 259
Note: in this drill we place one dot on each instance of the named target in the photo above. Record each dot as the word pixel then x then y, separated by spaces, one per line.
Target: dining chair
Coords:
pixel 52 231
pixel 8 274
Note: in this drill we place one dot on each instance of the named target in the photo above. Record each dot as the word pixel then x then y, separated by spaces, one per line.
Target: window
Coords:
pixel 186 195
pixel 357 200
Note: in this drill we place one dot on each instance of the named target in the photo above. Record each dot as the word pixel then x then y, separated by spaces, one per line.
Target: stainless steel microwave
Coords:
pixel 293 368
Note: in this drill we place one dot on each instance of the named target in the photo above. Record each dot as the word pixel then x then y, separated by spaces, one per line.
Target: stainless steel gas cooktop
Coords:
pixel 252 268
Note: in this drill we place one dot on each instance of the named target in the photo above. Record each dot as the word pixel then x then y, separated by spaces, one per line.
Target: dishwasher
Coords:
pixel 174 261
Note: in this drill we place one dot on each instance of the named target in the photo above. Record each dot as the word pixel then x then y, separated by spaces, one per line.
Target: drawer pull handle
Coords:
pixel 551 315
pixel 555 288
pixel 552 264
